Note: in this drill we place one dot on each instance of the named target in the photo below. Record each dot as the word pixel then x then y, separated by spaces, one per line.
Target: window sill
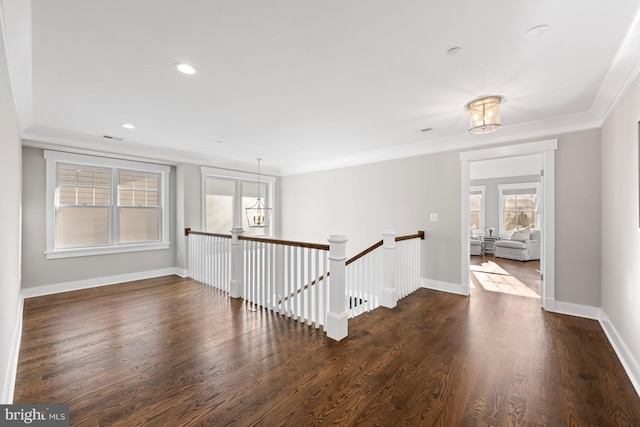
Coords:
pixel 80 252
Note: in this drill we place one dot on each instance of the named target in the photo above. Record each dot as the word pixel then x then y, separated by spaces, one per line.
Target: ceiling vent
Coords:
pixel 115 138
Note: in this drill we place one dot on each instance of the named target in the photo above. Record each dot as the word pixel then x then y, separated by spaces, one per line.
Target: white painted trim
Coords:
pixel 630 365
pixel 452 288
pixel 621 74
pixel 465 250
pixel 12 366
pixel 114 164
pixel 548 228
pixel 233 174
pixel 184 273
pixel 514 150
pixel 482 190
pixel 79 252
pixel 577 310
pixel 97 281
pixel 547 148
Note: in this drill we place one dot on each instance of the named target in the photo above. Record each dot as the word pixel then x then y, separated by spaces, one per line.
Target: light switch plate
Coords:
pixel 434 217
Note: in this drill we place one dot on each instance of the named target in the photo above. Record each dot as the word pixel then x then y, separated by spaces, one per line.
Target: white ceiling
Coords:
pixel 310 85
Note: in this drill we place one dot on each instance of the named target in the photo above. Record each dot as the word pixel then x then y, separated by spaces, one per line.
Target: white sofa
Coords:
pixel 476 245
pixel 518 250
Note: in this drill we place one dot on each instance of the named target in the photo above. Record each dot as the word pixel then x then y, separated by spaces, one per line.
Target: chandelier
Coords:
pixel 484 114
pixel 258 215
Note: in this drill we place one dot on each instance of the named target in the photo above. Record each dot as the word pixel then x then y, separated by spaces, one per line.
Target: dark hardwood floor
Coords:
pixel 173 352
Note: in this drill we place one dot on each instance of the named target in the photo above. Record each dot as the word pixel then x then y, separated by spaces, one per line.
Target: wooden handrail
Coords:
pixel 318 246
pixel 418 235
pixel 365 252
pixel 286 243
pixel 188 231
pixel 322 247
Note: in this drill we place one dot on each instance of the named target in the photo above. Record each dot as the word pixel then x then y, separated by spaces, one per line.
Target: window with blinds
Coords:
pixel 97 205
pixel 138 208
pixel 84 214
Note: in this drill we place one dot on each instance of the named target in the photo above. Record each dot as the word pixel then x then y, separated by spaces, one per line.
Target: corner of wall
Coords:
pixel 452 288
pixel 9 384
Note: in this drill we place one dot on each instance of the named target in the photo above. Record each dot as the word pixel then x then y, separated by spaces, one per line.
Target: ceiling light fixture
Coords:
pixel 258 215
pixel 128 126
pixel 484 114
pixel 536 31
pixel 185 68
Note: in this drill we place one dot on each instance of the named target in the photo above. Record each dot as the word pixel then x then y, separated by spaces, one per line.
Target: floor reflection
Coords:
pixel 494 278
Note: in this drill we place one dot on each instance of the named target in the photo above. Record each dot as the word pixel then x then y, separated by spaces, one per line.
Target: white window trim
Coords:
pixel 516 186
pixel 54 157
pixel 242 176
pixel 481 189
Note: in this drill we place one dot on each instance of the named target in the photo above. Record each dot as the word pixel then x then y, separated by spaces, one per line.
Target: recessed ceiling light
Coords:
pixel 185 68
pixel 454 51
pixel 128 126
pixel 536 32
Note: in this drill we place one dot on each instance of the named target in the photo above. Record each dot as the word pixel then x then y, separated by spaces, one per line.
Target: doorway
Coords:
pixel 546 152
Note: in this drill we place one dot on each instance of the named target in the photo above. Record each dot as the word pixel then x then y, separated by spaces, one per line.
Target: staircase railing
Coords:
pixel 287 277
pixel 383 273
pixel 294 278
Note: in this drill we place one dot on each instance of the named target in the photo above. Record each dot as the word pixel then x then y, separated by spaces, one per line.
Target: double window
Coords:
pixel 97 205
pixel 221 188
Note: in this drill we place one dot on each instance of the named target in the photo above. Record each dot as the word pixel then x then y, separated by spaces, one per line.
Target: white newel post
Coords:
pixel 389 290
pixel 337 317
pixel 237 248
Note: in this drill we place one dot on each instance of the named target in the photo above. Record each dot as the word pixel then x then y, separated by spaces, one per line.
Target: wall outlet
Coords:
pixel 434 217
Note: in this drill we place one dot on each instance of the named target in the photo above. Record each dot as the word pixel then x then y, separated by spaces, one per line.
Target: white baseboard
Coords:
pixel 629 363
pixel 453 288
pixel 98 281
pixel 585 311
pixel 12 366
pixel 182 272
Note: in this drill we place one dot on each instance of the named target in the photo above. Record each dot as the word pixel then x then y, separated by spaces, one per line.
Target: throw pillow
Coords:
pixel 521 235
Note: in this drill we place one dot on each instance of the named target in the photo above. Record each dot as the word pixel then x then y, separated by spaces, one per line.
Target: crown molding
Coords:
pixel 623 71
pixel 55 139
pixel 525 131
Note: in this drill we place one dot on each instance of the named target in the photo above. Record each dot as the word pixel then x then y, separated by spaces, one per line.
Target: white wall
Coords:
pixel 10 194
pixel 578 218
pixel 39 271
pixel 363 201
pixel 620 230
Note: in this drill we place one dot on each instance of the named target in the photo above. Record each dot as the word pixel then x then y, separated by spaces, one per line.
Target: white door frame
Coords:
pixel 547 150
